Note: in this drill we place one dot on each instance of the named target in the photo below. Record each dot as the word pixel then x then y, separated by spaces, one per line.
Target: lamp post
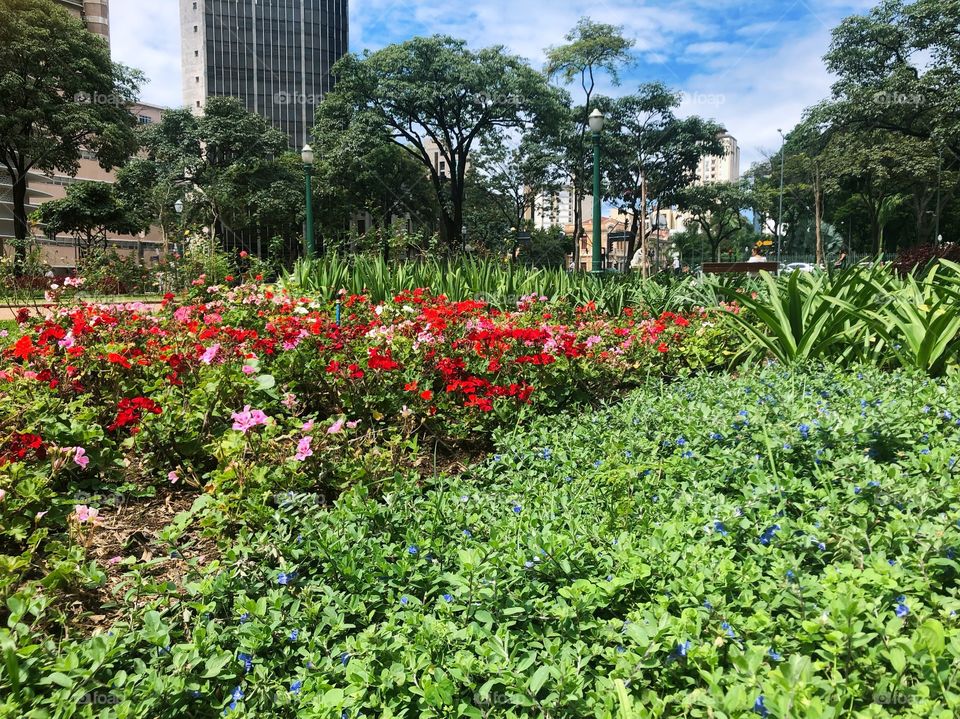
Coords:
pixel 596 127
pixel 783 144
pixel 307 156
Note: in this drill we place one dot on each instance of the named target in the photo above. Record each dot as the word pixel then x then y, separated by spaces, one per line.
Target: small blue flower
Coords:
pixel 294 634
pixel 707 605
pixel 804 431
pixel 283 579
pixel 413 549
pixel 237 694
pixel 759 707
pixel 946 415
pixel 497 457
pixel 295 687
pixel 245 617
pixel 892 562
pixel 467 533
pixel 681 441
pixel 688 454
pixel 728 630
pixel 768 534
pixel 791 575
pixel 628 454
pixel 596 465
pixel 719 528
pixel 775 655
pixel 856 489
pixel 404 600
pixel 716 436
pixel 787 446
pixel 901 609
pixel 345 658
pixel 517 509
pixel 546 453
pixel 821 546
pixel 247 661
pixel 448 597
pixel 743 413
pixel 681 649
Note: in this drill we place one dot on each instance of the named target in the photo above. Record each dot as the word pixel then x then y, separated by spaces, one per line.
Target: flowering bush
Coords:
pixel 216 389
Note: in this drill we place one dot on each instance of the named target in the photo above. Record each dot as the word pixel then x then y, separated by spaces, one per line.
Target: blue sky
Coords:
pixel 754 66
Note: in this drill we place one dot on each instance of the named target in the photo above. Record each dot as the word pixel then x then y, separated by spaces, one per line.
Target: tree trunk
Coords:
pixel 818 214
pixel 645 250
pixel 20 225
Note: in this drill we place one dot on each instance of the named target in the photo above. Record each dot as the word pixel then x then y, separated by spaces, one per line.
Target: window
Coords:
pixel 196 28
pixel 194 6
pixel 198 78
pixel 144 119
pixel 196 53
pixel 198 103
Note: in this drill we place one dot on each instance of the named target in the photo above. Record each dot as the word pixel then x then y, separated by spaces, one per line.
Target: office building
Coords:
pixel 558 209
pixel 725 168
pixel 275 56
pixel 94 13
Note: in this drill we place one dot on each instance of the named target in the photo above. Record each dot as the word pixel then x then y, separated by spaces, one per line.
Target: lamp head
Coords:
pixel 596 121
pixel 307 155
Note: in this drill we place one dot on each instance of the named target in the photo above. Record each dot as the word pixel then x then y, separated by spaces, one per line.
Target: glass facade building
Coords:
pixel 274 55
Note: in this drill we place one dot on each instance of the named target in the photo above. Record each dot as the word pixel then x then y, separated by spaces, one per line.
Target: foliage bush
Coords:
pixel 781 544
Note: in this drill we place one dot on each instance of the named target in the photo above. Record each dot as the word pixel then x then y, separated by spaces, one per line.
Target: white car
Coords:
pixel 799 267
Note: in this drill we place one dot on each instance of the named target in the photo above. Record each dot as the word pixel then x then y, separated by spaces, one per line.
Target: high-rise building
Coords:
pixel 558 209
pixel 275 56
pixel 95 13
pixel 724 168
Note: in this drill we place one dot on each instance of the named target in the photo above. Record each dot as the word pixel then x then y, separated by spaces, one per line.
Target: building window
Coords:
pixel 196 28
pixel 198 78
pixel 198 103
pixel 144 119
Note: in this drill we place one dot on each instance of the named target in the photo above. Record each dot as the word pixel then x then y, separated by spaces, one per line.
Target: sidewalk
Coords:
pixel 9 312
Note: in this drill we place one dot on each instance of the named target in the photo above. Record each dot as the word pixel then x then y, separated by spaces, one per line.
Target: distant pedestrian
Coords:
pixel 757 256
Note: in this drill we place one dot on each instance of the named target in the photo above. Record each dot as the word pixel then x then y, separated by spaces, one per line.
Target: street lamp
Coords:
pixel 178 206
pixel 783 144
pixel 596 127
pixel 307 156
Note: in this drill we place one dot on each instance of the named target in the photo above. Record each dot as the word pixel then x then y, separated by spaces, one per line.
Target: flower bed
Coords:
pixel 247 391
pixel 776 545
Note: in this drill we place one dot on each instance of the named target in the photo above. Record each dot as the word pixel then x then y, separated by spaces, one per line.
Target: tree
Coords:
pixel 89 211
pixel 226 166
pixel 715 209
pixel 649 152
pixel 59 95
pixel 898 69
pixel 591 48
pixel 436 99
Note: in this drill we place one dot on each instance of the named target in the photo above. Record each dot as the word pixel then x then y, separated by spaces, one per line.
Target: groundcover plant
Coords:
pixel 779 544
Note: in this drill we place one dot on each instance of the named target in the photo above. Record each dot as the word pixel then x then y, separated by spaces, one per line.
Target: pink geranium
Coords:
pixel 337 426
pixel 303 449
pixel 211 354
pixel 83 513
pixel 80 457
pixel 173 477
pixel 248 419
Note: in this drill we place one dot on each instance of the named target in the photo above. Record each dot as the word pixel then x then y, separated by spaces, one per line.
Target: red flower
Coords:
pixel 23 348
pixel 20 446
pixel 662 347
pixel 426 395
pixel 355 371
pixel 333 367
pixel 130 412
pixel 410 386
pixel 381 361
pixel 115 358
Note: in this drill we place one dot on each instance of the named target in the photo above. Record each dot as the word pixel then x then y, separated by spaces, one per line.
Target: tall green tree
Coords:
pixel 650 153
pixel 436 98
pixel 716 210
pixel 60 95
pixel 591 49
pixel 88 212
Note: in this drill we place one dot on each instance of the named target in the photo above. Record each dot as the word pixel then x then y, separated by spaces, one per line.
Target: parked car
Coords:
pixel 799 267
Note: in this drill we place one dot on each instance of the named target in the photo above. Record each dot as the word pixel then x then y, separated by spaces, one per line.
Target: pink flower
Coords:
pixel 39 515
pixel 173 477
pixel 80 457
pixel 67 342
pixel 303 449
pixel 289 400
pixel 84 513
pixel 593 340
pixel 307 426
pixel 405 412
pixel 114 560
pixel 336 427
pixel 353 424
pixel 248 419
pixel 249 369
pixel 3 494
pixel 211 353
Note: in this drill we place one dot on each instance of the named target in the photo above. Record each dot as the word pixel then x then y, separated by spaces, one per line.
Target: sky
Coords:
pixel 752 66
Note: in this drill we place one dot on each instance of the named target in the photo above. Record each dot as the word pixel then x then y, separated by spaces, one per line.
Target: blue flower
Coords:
pixel 787 446
pixel 681 441
pixel 719 528
pixel 681 649
pixel 946 415
pixel 247 661
pixel 775 655
pixel 467 533
pixel 596 465
pixel 245 617
pixel 716 436
pixel 892 562
pixel 628 454
pixel 759 707
pixel 688 454
pixel 404 600
pixel 901 609
pixel 412 549
pixel 283 579
pixel 294 634
pixel 791 575
pixel 821 546
pixel 497 457
pixel 804 431
pixel 448 597
pixel 856 489
pixel 743 413
pixel 546 453
pixel 768 534
pixel 707 605
pixel 728 630
pixel 295 687
pixel 345 658
pixel 517 509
